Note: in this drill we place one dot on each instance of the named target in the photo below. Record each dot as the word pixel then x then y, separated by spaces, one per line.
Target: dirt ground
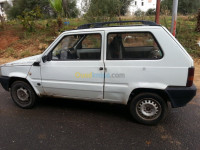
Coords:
pixel 7 38
pixel 197 74
pixel 16 45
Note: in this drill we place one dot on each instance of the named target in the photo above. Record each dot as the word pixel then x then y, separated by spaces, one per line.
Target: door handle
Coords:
pixel 101 68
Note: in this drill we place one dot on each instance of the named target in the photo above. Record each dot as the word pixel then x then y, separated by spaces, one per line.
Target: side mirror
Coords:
pixel 46 58
pixel 49 57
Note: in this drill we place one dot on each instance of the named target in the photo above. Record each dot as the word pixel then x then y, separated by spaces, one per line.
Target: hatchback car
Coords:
pixel 142 66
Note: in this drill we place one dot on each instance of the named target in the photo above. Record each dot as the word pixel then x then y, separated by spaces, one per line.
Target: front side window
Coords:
pixel 134 45
pixel 78 47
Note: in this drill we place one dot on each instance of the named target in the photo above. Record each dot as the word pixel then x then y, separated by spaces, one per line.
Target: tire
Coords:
pixel 148 108
pixel 22 94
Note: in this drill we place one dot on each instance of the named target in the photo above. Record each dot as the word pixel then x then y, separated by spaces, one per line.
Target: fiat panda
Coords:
pixel 140 65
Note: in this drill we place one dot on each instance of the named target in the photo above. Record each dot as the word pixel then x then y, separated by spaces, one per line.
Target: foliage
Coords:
pixel 25 53
pixel 124 6
pixel 28 18
pixel 139 13
pixel 9 52
pixel 150 12
pixel 184 6
pixel 19 6
pixel 57 6
pixel 105 10
pixel 198 22
pixel 48 7
pixel 187 36
pixel 70 9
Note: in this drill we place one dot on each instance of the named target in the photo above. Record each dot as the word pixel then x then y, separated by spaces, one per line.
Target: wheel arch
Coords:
pixel 161 93
pixel 13 79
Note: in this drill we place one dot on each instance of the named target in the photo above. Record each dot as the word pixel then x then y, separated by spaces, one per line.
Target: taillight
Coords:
pixel 190 77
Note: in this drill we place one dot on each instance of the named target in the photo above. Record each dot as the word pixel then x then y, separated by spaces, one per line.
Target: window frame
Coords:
pixel 52 49
pixel 134 32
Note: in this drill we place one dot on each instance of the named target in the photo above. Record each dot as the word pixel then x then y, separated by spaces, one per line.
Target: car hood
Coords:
pixel 28 61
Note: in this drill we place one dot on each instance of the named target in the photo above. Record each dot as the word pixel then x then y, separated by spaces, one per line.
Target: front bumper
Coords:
pixel 180 96
pixel 5 82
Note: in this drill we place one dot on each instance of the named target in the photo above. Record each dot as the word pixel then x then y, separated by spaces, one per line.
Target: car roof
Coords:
pixel 113 28
pixel 105 26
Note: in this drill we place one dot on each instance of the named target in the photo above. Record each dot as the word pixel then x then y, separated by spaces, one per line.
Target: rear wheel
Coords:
pixel 148 108
pixel 22 94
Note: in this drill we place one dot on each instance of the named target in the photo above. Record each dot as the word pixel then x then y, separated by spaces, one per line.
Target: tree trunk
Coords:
pixel 65 5
pixel 198 22
pixel 2 20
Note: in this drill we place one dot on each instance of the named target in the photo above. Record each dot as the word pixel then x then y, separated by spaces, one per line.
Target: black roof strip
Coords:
pixel 101 24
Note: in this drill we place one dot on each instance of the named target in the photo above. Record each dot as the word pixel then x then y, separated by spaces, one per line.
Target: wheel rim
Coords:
pixel 148 109
pixel 23 94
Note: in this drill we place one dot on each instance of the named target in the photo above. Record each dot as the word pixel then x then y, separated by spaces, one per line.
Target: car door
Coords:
pixel 130 63
pixel 75 68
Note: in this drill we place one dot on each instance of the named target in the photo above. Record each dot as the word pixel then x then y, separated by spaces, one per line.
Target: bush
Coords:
pixel 27 19
pixel 151 12
pixel 19 6
pixel 139 13
pixel 184 6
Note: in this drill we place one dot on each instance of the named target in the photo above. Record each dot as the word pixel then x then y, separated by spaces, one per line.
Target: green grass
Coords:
pixel 25 53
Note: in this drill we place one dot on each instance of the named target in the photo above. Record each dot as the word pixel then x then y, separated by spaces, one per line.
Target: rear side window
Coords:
pixel 133 46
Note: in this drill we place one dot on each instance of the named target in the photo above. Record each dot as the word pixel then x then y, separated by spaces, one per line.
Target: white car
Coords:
pixel 142 66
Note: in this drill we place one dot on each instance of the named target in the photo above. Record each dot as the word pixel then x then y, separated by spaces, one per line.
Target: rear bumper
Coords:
pixel 5 82
pixel 180 96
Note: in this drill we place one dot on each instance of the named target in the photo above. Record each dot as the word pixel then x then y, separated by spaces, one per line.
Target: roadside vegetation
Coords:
pixel 30 31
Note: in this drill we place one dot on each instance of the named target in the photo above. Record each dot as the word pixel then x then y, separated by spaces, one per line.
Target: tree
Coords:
pixel 184 6
pixel 198 22
pixel 124 6
pixel 2 20
pixel 70 9
pixel 19 6
pixel 57 6
pixel 104 10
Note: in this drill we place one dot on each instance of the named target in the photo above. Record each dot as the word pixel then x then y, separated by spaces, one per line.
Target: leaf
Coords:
pixel 57 6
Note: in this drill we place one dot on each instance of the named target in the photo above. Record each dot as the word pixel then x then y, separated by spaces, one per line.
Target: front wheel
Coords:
pixel 148 108
pixel 22 94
